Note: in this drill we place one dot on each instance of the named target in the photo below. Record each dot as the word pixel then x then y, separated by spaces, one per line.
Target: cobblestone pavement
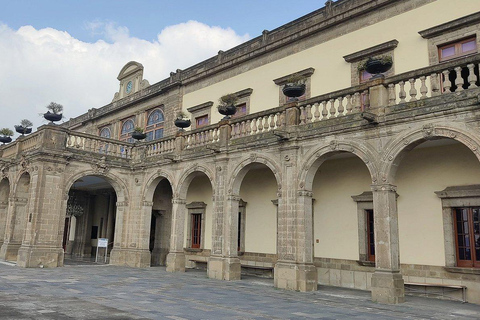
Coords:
pixel 111 292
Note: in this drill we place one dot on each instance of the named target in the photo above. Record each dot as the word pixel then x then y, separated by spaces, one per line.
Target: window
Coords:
pixel 370 236
pixel 241 111
pixel 201 114
pixel 467 231
pixel 366 231
pixel 280 82
pixel 241 226
pixel 201 121
pixel 196 230
pixel 127 128
pixel 104 133
pixel 457 49
pixel 358 58
pixel 461 230
pixel 154 128
pixel 196 225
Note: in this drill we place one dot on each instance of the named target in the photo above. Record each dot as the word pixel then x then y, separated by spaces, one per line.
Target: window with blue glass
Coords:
pixel 155 122
pixel 126 131
pixel 104 133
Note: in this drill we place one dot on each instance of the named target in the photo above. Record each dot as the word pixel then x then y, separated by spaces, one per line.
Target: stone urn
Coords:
pixel 182 123
pixel 294 90
pixel 52 117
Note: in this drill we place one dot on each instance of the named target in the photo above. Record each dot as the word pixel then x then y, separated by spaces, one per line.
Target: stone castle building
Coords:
pixel 362 183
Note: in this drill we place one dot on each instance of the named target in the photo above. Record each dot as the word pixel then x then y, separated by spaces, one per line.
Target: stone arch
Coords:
pixel 316 157
pixel 397 149
pixel 4 200
pixel 187 177
pixel 116 182
pixel 236 178
pixel 152 182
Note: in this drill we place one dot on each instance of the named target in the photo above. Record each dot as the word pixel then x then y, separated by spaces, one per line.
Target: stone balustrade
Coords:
pixel 445 78
pixel 453 76
pixel 201 137
pixel 99 145
pixel 257 123
pixel 157 147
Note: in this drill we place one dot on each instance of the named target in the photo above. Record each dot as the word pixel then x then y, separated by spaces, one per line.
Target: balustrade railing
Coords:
pixel 453 76
pixel 156 147
pixel 335 104
pixel 257 123
pixel 200 137
pixel 89 143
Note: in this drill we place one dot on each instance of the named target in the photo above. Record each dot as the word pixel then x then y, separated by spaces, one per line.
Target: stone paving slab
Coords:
pixel 112 292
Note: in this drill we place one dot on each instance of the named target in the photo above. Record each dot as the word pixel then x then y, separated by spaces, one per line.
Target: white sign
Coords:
pixel 102 242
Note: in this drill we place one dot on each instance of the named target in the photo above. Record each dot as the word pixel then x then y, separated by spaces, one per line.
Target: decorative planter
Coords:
pixel 182 123
pixel 52 116
pixel 5 139
pixel 227 111
pixel 377 66
pixel 22 130
pixel 293 90
pixel 138 135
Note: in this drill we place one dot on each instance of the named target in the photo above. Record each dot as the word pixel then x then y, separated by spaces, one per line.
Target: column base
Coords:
pixel 295 276
pixel 176 262
pixel 135 258
pixel 40 257
pixel 223 268
pixel 387 287
pixel 9 251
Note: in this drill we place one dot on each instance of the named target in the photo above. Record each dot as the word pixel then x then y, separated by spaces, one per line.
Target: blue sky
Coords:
pixel 145 19
pixel 71 52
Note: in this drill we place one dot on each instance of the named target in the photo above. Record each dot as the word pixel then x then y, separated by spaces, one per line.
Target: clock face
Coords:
pixel 129 87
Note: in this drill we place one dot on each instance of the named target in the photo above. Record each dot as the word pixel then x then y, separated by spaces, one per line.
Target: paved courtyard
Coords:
pixel 110 292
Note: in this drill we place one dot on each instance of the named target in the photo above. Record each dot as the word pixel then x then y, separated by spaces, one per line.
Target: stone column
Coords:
pixel 387 281
pixel 294 269
pixel 45 218
pixel 118 253
pixel 3 219
pixel 13 230
pixel 231 269
pixel 176 256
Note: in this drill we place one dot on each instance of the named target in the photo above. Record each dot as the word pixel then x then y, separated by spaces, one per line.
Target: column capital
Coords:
pixel 384 187
pixel 147 203
pixel 233 197
pixel 179 201
pixel 305 193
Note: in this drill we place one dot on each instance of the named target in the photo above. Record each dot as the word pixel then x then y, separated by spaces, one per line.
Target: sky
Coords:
pixel 71 52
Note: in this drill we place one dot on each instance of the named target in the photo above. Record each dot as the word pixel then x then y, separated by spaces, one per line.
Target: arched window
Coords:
pixel 127 128
pixel 105 133
pixel 155 121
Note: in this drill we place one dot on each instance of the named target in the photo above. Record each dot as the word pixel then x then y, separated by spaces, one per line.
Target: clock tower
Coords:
pixel 131 80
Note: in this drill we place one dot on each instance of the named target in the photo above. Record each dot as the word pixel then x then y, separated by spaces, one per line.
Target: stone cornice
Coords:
pixel 372 51
pixel 201 106
pixel 451 26
pixel 366 196
pixel 459 192
pixel 305 73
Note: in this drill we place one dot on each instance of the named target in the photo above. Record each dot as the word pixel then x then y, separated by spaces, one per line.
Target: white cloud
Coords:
pixel 40 66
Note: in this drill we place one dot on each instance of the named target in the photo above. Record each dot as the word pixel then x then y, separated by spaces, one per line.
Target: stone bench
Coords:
pixel 412 287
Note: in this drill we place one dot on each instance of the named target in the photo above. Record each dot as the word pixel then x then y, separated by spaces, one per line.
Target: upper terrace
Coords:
pixel 433 91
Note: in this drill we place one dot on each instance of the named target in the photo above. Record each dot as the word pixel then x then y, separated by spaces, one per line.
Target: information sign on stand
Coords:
pixel 102 243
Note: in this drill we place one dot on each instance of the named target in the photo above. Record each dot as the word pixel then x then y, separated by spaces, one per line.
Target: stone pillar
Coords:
pixel 292 114
pixel 13 229
pixel 45 219
pixel 223 264
pixel 3 219
pixel 118 254
pixel 176 256
pixel 378 96
pixel 294 269
pixel 387 281
pixel 110 218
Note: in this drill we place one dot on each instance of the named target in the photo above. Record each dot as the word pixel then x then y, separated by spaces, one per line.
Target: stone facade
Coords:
pixel 250 193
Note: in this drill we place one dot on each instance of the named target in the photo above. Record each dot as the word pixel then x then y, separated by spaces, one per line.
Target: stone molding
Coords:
pixel 450 26
pixel 459 192
pixel 366 196
pixel 200 107
pixel 372 51
pixel 304 73
pixel 196 205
